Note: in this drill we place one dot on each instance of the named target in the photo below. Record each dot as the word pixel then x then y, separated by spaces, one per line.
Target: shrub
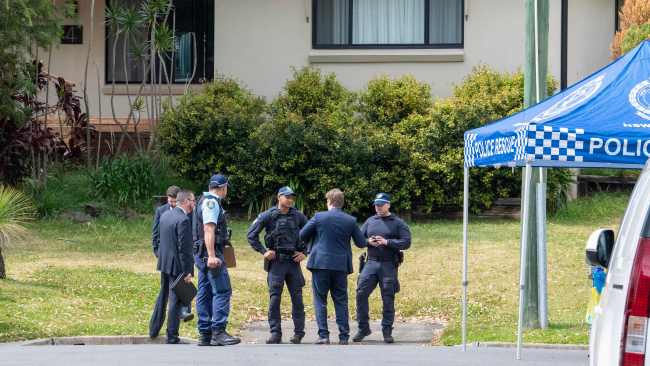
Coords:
pixel 128 181
pixel 634 36
pixel 210 132
pixel 387 101
pixel 15 211
pixel 310 92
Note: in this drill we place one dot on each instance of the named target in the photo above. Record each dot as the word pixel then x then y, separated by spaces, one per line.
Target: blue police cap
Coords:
pixel 218 181
pixel 382 198
pixel 286 191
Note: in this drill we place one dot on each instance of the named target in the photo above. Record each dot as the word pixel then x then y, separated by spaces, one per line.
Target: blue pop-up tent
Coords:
pixel 602 121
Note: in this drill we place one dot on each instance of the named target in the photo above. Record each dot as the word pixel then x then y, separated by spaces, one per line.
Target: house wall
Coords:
pixel 258 41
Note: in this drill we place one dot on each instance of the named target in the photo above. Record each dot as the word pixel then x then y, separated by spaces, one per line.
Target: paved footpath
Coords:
pixel 281 355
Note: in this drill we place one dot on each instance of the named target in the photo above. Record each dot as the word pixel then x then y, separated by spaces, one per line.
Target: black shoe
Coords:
pixel 186 317
pixel 204 339
pixel 388 336
pixel 222 338
pixel 173 340
pixel 361 334
pixel 322 341
pixel 275 338
pixel 343 342
pixel 296 339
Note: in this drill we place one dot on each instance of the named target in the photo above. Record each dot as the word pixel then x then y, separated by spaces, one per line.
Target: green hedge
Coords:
pixel 317 135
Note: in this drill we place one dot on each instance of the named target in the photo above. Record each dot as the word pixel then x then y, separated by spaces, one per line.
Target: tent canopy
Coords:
pixel 602 121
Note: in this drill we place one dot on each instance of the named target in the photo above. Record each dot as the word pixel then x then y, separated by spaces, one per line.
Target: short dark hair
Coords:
pixel 184 195
pixel 335 197
pixel 172 191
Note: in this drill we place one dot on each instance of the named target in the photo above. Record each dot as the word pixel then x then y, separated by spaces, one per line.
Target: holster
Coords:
pixel 267 265
pixel 362 262
pixel 399 258
pixel 198 248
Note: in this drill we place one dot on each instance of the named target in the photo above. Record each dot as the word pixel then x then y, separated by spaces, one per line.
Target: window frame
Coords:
pixel 350 45
pixel 108 80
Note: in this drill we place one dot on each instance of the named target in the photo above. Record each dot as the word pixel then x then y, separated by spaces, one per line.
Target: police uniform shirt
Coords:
pixel 391 228
pixel 210 208
pixel 265 221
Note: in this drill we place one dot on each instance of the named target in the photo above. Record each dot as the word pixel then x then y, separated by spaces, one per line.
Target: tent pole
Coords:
pixel 465 245
pixel 541 250
pixel 528 170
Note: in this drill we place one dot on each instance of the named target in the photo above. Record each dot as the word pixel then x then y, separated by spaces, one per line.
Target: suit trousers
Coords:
pixel 173 311
pixel 326 281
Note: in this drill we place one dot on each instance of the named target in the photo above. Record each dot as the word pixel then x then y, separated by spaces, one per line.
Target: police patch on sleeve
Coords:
pixel 210 204
pixel 211 211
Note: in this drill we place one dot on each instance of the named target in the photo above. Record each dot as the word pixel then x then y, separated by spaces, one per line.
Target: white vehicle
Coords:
pixel 620 323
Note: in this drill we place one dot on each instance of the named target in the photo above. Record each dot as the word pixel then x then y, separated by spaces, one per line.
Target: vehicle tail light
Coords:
pixel 637 309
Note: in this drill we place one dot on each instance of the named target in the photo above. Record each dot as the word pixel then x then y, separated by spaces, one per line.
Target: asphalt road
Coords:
pixel 281 355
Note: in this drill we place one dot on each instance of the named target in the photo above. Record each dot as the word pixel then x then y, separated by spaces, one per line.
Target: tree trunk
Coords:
pixel 3 273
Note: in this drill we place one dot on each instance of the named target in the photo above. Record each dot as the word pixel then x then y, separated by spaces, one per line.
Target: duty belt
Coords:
pixel 284 257
pixel 380 259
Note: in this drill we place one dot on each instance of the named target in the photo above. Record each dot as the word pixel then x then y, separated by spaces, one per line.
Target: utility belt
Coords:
pixel 397 259
pixel 380 259
pixel 199 249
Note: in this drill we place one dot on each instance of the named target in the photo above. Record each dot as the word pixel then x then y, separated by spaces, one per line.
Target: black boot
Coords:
pixel 222 338
pixel 204 339
pixel 388 335
pixel 361 334
pixel 297 338
pixel 275 338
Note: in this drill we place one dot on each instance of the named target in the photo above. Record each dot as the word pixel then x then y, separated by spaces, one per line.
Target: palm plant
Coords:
pixel 15 211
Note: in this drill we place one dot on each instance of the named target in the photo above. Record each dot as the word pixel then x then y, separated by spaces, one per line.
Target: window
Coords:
pixel 387 24
pixel 193 39
pixel 618 5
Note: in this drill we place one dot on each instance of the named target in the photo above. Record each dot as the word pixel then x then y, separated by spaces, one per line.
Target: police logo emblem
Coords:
pixel 378 196
pixel 572 100
pixel 210 204
pixel 639 98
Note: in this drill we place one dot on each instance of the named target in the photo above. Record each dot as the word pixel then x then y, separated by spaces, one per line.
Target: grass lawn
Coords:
pixel 100 279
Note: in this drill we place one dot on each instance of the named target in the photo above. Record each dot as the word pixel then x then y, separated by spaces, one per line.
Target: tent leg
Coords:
pixel 541 250
pixel 528 170
pixel 465 245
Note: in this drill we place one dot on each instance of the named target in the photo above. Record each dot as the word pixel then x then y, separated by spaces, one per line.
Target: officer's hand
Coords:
pixel 214 262
pixel 299 257
pixel 379 240
pixel 188 278
pixel 372 242
pixel 269 255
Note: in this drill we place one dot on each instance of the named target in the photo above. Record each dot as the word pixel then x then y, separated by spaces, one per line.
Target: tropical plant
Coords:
pixel 16 210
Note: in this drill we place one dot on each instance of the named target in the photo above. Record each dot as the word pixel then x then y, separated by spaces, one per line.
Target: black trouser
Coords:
pixel 173 312
pixel 384 274
pixel 281 271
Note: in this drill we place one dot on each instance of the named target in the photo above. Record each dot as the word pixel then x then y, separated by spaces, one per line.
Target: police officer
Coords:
pixel 210 233
pixel 282 256
pixel 387 236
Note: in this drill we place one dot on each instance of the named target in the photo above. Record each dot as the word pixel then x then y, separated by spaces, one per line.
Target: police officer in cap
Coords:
pixel 282 256
pixel 210 233
pixel 387 236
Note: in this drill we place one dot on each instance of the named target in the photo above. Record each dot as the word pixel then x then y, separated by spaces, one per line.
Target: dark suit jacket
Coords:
pixel 155 231
pixel 331 232
pixel 175 252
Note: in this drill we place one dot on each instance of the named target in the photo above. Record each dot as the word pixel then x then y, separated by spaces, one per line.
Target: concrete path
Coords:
pixel 282 355
pixel 403 332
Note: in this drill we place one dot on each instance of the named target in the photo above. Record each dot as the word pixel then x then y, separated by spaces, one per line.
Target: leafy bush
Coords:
pixel 210 132
pixel 127 180
pixel 387 101
pixel 318 135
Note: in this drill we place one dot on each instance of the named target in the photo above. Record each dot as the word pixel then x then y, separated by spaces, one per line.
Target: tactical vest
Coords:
pixel 284 238
pixel 221 231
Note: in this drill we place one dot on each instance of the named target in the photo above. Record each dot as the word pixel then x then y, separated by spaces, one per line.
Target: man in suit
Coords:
pixel 174 260
pixel 330 261
pixel 172 191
